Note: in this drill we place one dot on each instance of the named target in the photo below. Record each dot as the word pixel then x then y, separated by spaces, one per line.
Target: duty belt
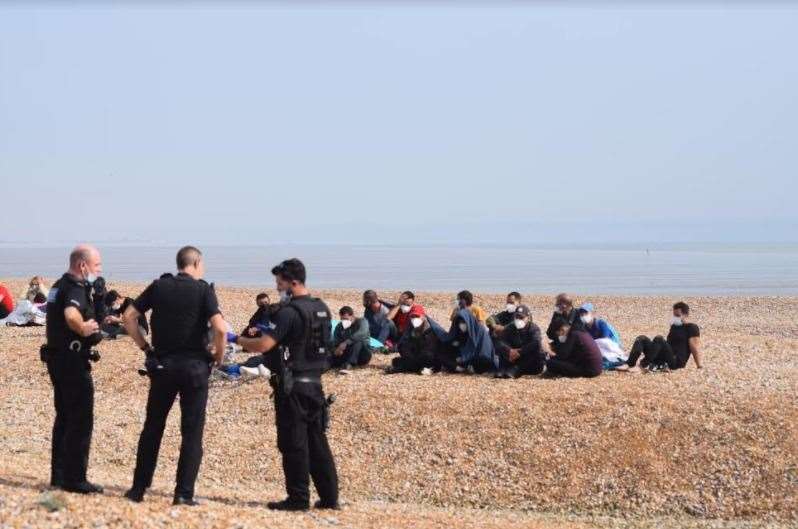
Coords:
pixel 308 380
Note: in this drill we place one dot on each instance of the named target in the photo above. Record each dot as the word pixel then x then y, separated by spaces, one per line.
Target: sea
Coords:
pixel 697 269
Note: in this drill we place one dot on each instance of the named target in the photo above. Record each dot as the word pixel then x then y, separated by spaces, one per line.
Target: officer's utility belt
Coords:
pixel 76 346
pixel 307 380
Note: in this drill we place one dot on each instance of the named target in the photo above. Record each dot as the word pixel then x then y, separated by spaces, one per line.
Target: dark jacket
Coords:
pixel 580 348
pixel 526 339
pixel 420 345
pixel 572 318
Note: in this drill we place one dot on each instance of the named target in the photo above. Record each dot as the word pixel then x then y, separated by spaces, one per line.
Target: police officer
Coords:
pixel 301 329
pixel 178 363
pixel 71 332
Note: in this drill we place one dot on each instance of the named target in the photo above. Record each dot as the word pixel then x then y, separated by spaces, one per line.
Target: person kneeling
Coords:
pixel 351 341
pixel 519 347
pixel 575 353
pixel 419 345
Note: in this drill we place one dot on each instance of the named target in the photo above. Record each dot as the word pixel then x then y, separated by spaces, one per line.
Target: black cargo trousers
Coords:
pixel 186 376
pixel 73 395
pixel 302 441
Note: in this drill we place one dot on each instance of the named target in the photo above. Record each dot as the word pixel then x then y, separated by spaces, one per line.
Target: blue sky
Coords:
pixel 373 123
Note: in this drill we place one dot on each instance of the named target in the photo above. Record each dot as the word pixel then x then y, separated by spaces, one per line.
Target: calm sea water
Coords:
pixel 686 269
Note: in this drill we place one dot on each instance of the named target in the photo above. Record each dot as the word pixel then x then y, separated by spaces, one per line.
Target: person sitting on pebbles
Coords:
pixel 519 346
pixel 420 345
pixel 564 311
pixel 469 347
pixel 36 292
pixel 501 320
pixel 673 352
pixel 575 353
pixel 400 313
pixel 606 337
pixel 350 341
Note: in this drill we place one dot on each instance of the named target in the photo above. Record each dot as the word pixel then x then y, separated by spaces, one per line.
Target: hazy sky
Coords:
pixel 380 122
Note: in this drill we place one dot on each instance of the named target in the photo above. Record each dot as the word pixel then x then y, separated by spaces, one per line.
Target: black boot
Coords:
pixel 288 505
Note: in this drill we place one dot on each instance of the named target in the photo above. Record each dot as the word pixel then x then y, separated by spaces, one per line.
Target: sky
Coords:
pixel 379 123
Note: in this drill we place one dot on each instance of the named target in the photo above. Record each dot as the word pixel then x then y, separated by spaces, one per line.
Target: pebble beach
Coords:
pixel 715 447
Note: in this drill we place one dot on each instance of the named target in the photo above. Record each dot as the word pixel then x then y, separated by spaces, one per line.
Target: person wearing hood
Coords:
pixel 519 346
pixel 400 313
pixel 564 311
pixel 575 353
pixel 419 346
pixel 376 311
pixel 470 346
pixel 350 341
pixel 597 327
pixel 499 321
pixel 6 302
pixel 673 352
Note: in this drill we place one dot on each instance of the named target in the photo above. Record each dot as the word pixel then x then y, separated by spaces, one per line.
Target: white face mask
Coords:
pixel 676 321
pixel 519 324
pixel 405 308
pixel 285 296
pixel 557 310
pixel 463 326
pixel 416 322
pixel 90 278
pixel 562 338
pixel 510 308
pixel 346 324
pixel 587 319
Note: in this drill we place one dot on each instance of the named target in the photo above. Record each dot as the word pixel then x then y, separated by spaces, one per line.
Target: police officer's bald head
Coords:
pixel 85 259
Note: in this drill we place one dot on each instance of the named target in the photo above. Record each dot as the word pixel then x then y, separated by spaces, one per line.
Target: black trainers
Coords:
pixel 135 495
pixel 288 505
pixel 182 500
pixel 321 504
pixel 83 487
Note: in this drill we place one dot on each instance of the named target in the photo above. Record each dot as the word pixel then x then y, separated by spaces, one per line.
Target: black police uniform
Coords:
pixel 67 357
pixel 181 307
pixel 302 329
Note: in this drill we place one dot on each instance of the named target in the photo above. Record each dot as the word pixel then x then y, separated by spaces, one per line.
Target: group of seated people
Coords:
pixel 508 344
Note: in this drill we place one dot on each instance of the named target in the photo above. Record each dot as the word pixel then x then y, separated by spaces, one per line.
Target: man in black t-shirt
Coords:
pixel 71 332
pixel 674 351
pixel 178 363
pixel 294 351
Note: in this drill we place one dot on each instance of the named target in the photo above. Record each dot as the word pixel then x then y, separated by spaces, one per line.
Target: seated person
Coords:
pixel 350 341
pixel 683 341
pixel 606 337
pixel 6 302
pixel 114 307
pixel 500 320
pixel 261 319
pixel 575 353
pixel 465 300
pixel 400 313
pixel 597 327
pixel 563 312
pixel 519 346
pixel 376 311
pixel 36 292
pixel 469 347
pixel 419 346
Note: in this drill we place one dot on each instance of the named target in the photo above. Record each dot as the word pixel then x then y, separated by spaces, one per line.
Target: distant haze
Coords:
pixel 399 124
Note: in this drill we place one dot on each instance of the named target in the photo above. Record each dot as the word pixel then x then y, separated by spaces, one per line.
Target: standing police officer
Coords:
pixel 177 363
pixel 302 329
pixel 71 332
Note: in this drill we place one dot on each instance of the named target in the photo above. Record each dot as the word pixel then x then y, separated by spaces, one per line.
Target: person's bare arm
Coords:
pixel 263 344
pixel 695 350
pixel 219 335
pixel 130 320
pixel 75 322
